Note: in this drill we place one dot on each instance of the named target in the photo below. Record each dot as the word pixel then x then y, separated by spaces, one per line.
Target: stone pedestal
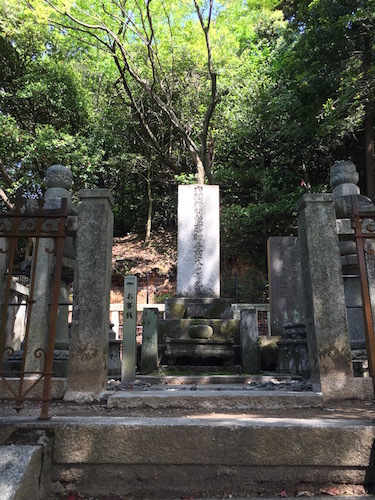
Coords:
pixel 200 350
pixel 198 256
pixel 175 332
pixel 87 369
pixel 326 320
pixel 190 307
pixel 293 353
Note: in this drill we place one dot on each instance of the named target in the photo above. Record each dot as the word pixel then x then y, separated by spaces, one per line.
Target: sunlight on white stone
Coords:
pixel 198 263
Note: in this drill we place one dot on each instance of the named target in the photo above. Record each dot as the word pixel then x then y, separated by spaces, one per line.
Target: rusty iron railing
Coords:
pixel 363 224
pixel 16 225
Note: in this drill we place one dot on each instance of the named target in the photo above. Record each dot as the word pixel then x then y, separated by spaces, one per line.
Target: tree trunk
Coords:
pixel 149 199
pixel 369 117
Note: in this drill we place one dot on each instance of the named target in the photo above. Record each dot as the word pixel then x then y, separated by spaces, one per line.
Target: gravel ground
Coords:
pixel 348 409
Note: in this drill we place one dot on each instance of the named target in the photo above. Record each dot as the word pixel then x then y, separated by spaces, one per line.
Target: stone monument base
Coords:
pixel 293 353
pixel 177 345
pixel 205 307
pixel 200 352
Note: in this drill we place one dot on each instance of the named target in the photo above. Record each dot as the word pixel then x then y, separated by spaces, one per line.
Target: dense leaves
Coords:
pixel 260 97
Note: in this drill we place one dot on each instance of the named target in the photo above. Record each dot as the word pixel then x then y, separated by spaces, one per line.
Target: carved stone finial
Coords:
pixel 344 179
pixel 58 181
pixel 58 176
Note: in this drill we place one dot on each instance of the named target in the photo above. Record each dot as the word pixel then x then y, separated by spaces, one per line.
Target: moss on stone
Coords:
pixel 176 310
pixel 269 352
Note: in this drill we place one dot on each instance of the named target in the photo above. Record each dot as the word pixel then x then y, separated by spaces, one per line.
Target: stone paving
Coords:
pixel 214 383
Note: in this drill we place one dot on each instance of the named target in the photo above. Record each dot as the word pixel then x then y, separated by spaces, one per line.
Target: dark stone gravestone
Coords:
pixel 286 293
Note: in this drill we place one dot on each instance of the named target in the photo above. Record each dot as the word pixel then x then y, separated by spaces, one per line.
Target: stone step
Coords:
pixel 211 399
pixel 213 379
pixel 206 456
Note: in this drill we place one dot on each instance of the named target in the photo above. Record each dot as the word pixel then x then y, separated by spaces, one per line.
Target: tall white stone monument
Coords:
pixel 198 260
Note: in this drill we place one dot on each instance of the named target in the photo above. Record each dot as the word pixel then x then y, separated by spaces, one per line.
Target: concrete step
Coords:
pixel 205 456
pixel 226 397
pixel 213 393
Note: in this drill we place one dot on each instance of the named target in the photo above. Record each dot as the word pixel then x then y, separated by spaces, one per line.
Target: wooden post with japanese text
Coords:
pixel 129 346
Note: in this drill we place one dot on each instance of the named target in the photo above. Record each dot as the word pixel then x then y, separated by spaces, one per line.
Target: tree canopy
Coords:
pixel 138 96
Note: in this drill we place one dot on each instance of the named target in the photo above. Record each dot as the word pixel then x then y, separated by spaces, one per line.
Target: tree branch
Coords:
pixel 213 97
pixel 4 174
pixel 119 51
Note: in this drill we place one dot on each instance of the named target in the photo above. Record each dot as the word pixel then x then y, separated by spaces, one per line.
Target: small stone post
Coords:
pixel 326 320
pixel 149 353
pixel 129 338
pixel 39 318
pixel 249 341
pixel 87 368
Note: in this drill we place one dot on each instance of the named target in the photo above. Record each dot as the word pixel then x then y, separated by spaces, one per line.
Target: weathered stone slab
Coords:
pixel 285 279
pixel 217 442
pixel 205 307
pixel 326 319
pixel 32 474
pixel 87 372
pixel 249 341
pixel 20 468
pixel 179 328
pixel 198 261
pixel 149 354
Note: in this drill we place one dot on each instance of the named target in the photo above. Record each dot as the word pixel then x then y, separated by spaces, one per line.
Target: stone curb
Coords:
pixel 19 472
pixel 25 465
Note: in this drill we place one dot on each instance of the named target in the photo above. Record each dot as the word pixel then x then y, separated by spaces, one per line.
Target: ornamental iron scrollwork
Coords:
pixel 31 219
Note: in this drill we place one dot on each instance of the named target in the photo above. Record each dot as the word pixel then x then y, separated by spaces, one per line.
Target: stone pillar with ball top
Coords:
pixel 58 181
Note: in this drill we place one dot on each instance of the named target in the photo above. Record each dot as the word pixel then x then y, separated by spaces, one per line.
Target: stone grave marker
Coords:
pixel 286 293
pixel 198 254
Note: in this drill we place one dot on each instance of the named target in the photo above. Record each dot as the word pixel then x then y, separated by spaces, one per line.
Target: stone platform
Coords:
pixel 204 440
pixel 206 456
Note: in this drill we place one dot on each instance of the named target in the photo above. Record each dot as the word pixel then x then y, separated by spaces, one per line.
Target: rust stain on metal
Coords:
pixel 360 236
pixel 43 223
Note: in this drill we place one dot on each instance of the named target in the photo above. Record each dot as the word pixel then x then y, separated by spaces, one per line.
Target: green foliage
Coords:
pixel 292 95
